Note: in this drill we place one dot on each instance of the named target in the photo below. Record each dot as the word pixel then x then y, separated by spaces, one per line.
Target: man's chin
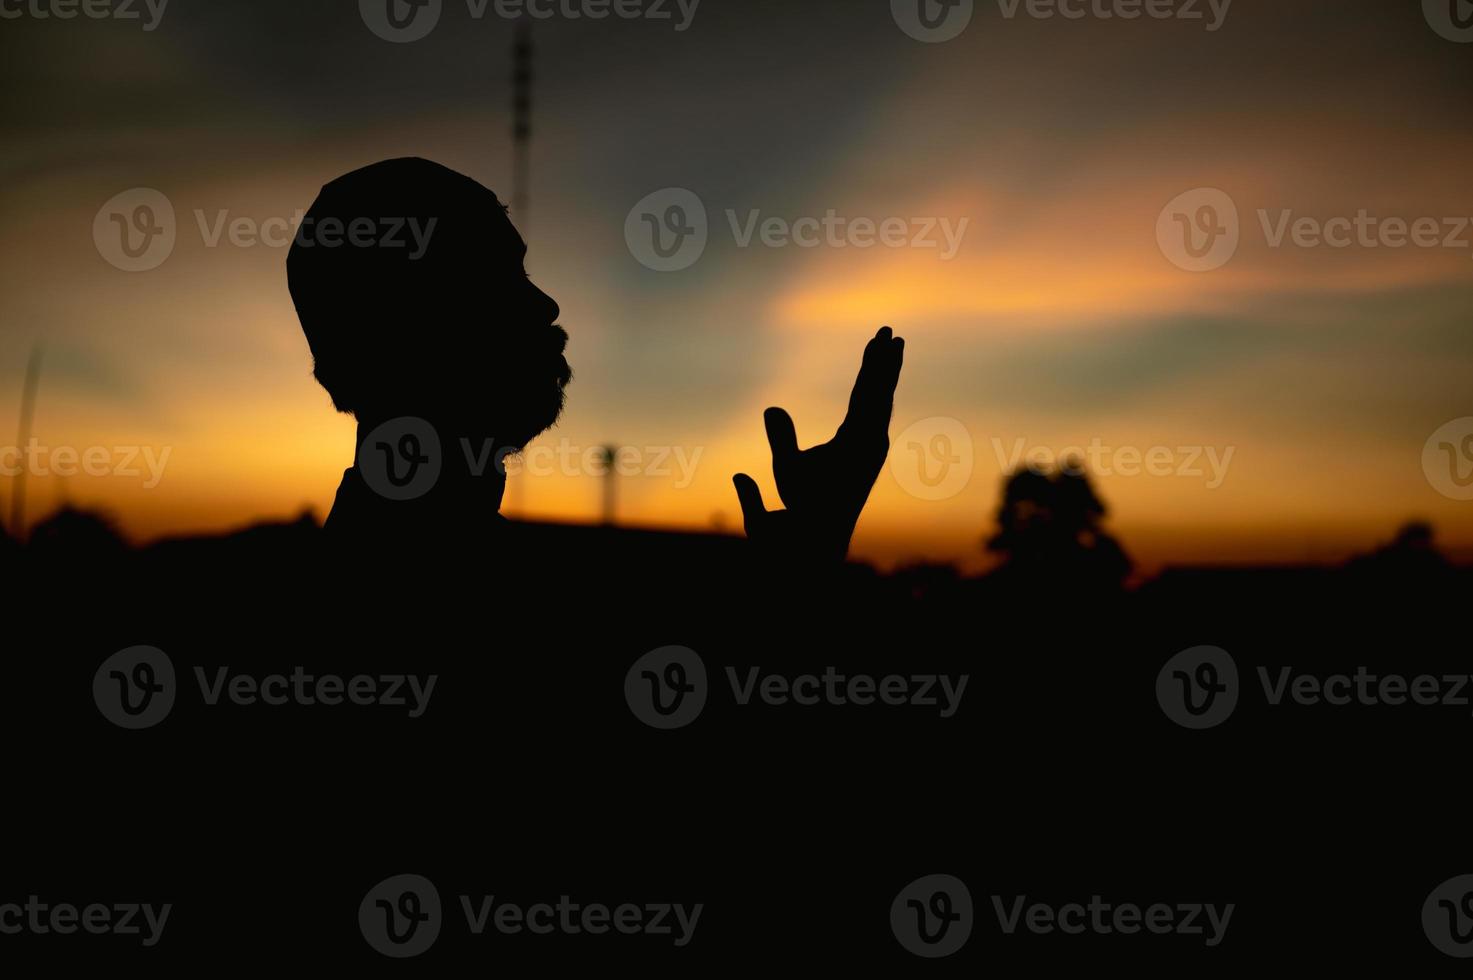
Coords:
pixel 533 426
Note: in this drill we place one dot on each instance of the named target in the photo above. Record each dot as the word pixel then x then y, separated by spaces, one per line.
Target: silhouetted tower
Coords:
pixel 521 142
pixel 521 122
pixel 608 454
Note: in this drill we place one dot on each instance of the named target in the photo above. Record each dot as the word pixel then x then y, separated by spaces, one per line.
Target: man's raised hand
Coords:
pixel 825 487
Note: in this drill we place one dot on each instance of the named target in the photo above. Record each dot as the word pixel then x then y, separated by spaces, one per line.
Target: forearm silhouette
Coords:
pixel 825 487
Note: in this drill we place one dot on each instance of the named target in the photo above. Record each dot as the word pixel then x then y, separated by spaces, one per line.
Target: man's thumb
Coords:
pixel 750 497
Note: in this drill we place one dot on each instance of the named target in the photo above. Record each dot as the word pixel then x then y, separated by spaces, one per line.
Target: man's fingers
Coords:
pixel 873 397
pixel 781 435
pixel 751 499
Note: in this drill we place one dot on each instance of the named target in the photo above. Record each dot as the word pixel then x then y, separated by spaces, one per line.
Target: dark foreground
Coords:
pixel 522 815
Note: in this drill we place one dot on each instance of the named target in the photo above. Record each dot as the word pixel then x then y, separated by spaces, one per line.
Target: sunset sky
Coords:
pixel 1058 322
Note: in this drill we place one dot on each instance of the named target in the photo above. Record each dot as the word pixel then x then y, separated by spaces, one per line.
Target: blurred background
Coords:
pixel 1315 376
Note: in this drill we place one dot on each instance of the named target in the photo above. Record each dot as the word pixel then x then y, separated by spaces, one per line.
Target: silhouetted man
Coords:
pixel 409 281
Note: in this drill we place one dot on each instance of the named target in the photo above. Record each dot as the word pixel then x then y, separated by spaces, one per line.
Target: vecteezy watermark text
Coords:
pixel 1201 230
pixel 1127 461
pixel 668 231
pixel 136 688
pixel 149 13
pixel 667 688
pixel 1199 688
pixel 1447 459
pixel 934 458
pixel 934 21
pixel 402 459
pixel 39 460
pixel 403 21
pixel 1447 917
pixel 932 916
pixel 402 916
pixel 1451 19
pixel 1104 918
pixel 136 231
pixel 40 918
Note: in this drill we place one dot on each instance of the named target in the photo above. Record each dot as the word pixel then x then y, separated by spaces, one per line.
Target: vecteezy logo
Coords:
pixel 400 21
pixel 666 688
pixel 1447 916
pixel 134 688
pixel 932 21
pixel 667 230
pixel 400 916
pixel 1198 688
pixel 932 459
pixel 1447 459
pixel 1199 231
pixel 401 459
pixel 134 231
pixel 932 916
pixel 1451 19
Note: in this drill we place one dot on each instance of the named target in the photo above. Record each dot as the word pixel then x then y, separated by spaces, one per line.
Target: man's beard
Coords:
pixel 531 408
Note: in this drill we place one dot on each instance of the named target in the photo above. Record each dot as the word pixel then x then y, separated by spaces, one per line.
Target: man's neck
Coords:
pixel 468 470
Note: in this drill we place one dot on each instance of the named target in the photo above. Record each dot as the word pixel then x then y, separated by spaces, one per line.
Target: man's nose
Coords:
pixel 545 304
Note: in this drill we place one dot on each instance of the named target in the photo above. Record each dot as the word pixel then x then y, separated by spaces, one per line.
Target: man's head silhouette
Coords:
pixel 409 282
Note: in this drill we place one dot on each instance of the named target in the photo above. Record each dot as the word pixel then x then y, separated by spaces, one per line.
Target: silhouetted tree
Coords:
pixel 1410 557
pixel 1050 534
pixel 71 537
